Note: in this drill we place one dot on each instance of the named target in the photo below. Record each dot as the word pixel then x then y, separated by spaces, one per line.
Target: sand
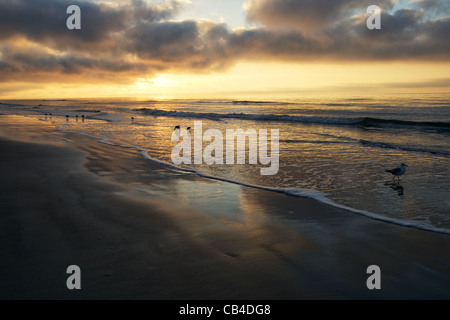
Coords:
pixel 140 230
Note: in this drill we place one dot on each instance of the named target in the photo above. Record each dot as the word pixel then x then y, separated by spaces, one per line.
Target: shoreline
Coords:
pixel 140 230
pixel 300 193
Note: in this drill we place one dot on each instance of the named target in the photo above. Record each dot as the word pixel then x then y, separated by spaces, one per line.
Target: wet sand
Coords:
pixel 140 230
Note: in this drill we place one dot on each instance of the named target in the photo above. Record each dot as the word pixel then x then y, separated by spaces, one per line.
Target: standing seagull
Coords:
pixel 397 172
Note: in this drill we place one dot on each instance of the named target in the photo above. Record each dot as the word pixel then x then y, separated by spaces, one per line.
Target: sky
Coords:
pixel 222 48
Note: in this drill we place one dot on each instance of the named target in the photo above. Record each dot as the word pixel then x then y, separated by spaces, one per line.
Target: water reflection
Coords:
pixel 396 187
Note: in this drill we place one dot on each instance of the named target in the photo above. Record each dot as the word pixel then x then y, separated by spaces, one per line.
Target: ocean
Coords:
pixel 334 149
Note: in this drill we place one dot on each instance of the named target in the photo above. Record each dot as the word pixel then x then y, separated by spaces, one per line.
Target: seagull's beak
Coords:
pixel 406 165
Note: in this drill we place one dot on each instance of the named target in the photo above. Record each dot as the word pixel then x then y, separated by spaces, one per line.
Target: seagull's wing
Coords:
pixel 394 171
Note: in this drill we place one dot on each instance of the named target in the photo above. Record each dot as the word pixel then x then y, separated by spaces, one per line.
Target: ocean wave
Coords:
pixel 249 116
pixel 312 141
pixel 249 102
pixel 296 192
pixel 87 111
pixel 11 105
pixel 238 102
pixel 394 123
pixel 361 122
pixel 404 148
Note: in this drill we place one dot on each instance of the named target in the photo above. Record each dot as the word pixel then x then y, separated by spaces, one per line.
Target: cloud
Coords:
pixel 336 29
pixel 21 63
pixel 44 21
pixel 121 40
pixel 305 15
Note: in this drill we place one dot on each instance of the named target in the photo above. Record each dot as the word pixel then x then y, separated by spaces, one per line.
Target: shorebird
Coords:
pixel 397 172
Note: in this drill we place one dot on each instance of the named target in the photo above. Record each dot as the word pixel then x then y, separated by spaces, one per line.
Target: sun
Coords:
pixel 161 86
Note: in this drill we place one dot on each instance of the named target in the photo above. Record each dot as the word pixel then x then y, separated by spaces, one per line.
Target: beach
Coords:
pixel 142 230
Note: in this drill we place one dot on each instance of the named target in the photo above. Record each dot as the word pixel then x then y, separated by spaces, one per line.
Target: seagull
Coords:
pixel 397 172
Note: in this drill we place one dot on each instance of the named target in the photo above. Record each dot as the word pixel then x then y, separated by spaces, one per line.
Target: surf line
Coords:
pixel 213 153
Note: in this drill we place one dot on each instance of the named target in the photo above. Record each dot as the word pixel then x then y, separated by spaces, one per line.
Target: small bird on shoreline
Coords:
pixel 179 128
pixel 397 172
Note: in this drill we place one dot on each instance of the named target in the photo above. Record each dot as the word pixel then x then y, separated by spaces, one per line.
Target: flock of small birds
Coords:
pixel 132 118
pixel 67 116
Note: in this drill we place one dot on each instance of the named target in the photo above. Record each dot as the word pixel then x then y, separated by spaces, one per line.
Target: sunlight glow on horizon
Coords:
pixel 257 79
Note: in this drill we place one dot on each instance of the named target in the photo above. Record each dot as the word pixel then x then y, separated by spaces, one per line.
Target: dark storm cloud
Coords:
pixel 404 35
pixel 261 43
pixel 140 38
pixel 45 20
pixel 306 15
pixel 166 41
pixel 50 47
pixel 186 44
pixel 17 63
pixel 336 29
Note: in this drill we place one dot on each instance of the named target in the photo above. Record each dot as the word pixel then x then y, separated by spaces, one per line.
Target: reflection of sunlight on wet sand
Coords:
pixel 235 221
pixel 216 198
pixel 265 233
pixel 19 128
